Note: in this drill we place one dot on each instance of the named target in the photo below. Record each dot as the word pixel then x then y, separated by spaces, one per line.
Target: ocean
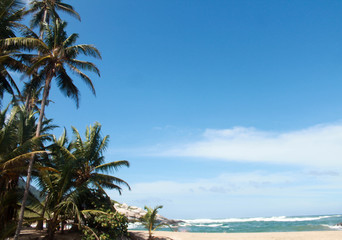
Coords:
pixel 257 224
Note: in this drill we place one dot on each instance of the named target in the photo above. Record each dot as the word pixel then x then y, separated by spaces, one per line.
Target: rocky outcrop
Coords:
pixel 134 214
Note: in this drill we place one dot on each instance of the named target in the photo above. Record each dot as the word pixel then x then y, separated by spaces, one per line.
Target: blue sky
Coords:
pixel 223 108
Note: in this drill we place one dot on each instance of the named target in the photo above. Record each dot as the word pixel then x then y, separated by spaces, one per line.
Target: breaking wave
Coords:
pixel 257 219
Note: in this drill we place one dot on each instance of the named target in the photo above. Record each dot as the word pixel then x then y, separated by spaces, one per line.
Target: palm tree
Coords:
pixel 61 195
pixel 43 12
pixel 46 10
pixel 90 160
pixel 7 62
pixel 56 54
pixel 79 173
pixel 11 12
pixel 150 220
pixel 17 140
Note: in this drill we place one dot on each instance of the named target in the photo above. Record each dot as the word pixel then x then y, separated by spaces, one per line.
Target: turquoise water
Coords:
pixel 260 224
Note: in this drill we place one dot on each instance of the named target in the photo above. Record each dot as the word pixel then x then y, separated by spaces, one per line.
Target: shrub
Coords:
pixel 106 225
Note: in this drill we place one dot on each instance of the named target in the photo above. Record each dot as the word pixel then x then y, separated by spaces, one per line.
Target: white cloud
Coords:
pixel 248 184
pixel 318 146
pixel 311 187
pixel 257 193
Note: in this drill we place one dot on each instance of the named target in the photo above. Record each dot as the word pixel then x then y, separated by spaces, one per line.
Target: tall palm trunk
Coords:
pixel 53 223
pixel 27 104
pixel 29 170
pixel 28 98
pixel 40 223
pixel 8 211
pixel 41 27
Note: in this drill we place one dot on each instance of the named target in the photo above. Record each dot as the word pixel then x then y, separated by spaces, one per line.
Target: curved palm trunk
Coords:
pixel 150 232
pixel 29 170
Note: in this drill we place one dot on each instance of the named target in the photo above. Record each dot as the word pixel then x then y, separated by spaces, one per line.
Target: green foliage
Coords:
pixel 17 142
pixel 11 12
pixel 72 176
pixel 76 180
pixel 45 10
pixel 150 221
pixel 101 220
pixel 105 225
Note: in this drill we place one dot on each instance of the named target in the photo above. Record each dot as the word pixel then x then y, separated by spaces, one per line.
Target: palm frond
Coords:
pixel 70 40
pixel 112 166
pixel 19 158
pixel 108 180
pixel 65 83
pixel 68 9
pixel 86 49
pixel 23 43
pixel 84 65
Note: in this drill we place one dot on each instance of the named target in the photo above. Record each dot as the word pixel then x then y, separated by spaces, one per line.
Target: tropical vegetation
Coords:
pixel 150 220
pixel 70 175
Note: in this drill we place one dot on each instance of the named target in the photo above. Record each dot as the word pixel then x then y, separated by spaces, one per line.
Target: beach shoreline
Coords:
pixel 307 235
pixel 28 234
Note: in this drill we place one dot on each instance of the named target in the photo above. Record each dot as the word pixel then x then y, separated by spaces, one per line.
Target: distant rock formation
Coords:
pixel 134 214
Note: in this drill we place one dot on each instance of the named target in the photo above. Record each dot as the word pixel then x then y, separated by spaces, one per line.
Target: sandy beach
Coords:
pixel 319 235
pixel 29 234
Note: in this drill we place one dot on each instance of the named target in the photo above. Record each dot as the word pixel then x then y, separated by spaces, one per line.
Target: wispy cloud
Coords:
pixel 312 186
pixel 249 183
pixel 249 193
pixel 317 146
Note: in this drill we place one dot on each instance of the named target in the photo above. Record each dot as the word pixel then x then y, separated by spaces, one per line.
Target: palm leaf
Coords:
pixel 20 158
pixel 86 49
pixel 112 165
pixel 65 83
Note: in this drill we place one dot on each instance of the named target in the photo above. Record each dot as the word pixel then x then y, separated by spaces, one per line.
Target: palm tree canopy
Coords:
pixel 58 55
pixel 150 221
pixel 150 218
pixel 17 140
pixel 90 158
pixel 11 12
pixel 78 172
pixel 46 10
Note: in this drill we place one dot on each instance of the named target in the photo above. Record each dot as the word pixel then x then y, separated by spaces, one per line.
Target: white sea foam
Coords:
pixel 257 219
pixel 333 227
pixel 185 225
pixel 209 225
pixel 215 225
pixel 133 225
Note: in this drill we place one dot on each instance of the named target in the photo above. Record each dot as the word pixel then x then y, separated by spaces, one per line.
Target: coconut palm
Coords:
pixel 91 166
pixel 58 185
pixel 11 12
pixel 43 12
pixel 150 221
pixel 57 55
pixel 7 62
pixel 17 141
pixel 79 173
pixel 46 10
